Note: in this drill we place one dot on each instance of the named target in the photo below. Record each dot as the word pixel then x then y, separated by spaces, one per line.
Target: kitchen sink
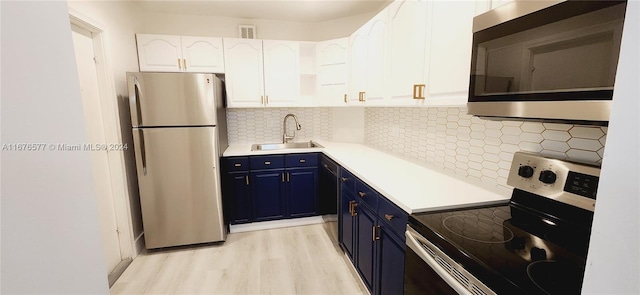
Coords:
pixel 284 146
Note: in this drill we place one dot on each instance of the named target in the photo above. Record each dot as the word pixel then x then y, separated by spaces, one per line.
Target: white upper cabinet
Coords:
pixel 450 52
pixel 159 53
pixel 358 66
pixel 202 54
pixel 333 72
pixel 375 61
pixel 367 62
pixel 407 52
pixel 167 53
pixel 263 73
pixel 244 72
pixel 282 74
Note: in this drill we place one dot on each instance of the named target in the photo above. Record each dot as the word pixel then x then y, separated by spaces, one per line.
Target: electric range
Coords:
pixel 535 244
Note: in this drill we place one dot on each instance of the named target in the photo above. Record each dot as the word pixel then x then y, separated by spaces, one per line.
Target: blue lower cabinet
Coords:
pixel 346 220
pixel 268 191
pixel 302 192
pixel 240 194
pixel 371 238
pixel 269 187
pixel 366 244
pixel 391 262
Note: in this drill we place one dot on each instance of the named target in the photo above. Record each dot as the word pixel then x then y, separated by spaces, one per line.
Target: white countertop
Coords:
pixel 412 187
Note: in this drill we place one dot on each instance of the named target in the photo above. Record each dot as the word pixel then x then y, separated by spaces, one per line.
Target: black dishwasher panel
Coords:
pixel 328 186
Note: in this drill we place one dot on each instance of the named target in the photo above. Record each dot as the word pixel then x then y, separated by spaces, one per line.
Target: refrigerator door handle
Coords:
pixel 143 153
pixel 136 94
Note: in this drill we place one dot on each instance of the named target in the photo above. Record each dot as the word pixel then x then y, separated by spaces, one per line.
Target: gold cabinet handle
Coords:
pixel 418 91
pixel 345 98
pixel 303 161
pixel 267 163
pixel 184 62
pixel 375 236
pixel 237 165
pixel 246 179
pixel 362 96
pixel 282 176
pixel 362 195
pixel 353 205
pixel 388 217
pixel 344 179
pixel 288 177
pixel 261 99
pixel 179 66
pixel 267 99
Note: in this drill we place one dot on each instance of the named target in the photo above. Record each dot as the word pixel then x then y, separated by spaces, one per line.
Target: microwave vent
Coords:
pixel 247 31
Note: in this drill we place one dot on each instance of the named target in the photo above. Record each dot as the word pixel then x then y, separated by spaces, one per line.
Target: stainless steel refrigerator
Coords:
pixel 179 133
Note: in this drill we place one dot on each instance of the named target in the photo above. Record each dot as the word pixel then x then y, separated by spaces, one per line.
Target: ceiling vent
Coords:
pixel 247 31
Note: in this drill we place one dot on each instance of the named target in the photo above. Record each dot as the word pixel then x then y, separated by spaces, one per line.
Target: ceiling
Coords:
pixel 283 10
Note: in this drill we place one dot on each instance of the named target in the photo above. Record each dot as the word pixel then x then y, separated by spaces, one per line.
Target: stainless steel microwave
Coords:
pixel 546 60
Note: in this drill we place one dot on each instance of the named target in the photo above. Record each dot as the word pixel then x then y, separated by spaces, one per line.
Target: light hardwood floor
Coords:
pixel 293 260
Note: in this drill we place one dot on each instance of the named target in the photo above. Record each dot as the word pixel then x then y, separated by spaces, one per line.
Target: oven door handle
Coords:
pixel 414 243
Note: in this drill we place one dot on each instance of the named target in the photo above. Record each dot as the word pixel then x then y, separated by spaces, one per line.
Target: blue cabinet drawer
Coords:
pixel 393 215
pixel 235 164
pixel 301 160
pixel 367 194
pixel 347 180
pixel 267 162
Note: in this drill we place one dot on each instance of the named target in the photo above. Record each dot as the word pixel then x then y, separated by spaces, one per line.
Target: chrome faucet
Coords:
pixel 285 137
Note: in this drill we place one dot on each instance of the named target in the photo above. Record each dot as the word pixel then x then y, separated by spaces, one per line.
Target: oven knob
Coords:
pixel 547 176
pixel 538 254
pixel 525 171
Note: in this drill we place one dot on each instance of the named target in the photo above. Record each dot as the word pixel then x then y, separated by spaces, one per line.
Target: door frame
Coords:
pixel 111 123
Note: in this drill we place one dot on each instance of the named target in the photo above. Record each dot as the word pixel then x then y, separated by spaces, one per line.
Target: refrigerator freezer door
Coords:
pixel 171 99
pixel 178 176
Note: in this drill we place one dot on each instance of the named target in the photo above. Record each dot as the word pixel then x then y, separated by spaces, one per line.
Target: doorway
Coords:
pixel 107 164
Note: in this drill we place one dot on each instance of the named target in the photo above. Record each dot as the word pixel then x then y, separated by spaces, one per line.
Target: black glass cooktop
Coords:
pixel 512 249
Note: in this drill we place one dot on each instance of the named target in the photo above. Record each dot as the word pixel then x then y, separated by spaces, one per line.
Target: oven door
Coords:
pixel 429 271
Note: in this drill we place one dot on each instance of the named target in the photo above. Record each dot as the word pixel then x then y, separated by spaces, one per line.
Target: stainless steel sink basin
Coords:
pixel 284 146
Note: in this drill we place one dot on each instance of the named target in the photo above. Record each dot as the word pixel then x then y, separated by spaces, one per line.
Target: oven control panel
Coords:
pixel 567 182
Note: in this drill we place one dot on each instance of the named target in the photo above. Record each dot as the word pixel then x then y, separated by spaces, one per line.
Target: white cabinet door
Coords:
pixel 333 72
pixel 202 54
pixel 407 52
pixel 357 65
pixel 450 52
pixel 159 53
pixel 375 62
pixel 243 72
pixel 282 74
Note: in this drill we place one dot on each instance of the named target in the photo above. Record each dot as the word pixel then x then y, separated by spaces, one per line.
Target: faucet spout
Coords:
pixel 285 137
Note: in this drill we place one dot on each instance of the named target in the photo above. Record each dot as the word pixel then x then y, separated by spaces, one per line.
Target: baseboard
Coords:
pixel 238 228
pixel 355 273
pixel 139 245
pixel 117 272
pixel 330 217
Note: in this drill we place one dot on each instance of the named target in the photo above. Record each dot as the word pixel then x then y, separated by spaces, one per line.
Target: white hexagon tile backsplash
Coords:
pixel 265 125
pixel 474 148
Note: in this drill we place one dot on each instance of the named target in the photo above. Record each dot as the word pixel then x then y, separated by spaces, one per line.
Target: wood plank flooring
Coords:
pixel 293 260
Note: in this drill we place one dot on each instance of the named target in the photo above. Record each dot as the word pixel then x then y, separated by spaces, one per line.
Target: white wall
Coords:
pixel 613 263
pixel 118 19
pixel 51 240
pixel 217 26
